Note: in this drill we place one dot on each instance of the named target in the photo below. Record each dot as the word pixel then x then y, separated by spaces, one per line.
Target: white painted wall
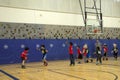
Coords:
pixel 109 7
pixel 43 17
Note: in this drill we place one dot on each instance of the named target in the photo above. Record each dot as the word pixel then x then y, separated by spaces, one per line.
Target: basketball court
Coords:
pixel 60 70
pixel 55 24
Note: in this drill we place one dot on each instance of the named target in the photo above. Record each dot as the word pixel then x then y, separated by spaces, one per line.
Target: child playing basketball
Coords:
pixel 105 49
pixel 72 61
pixel 79 54
pixel 24 57
pixel 99 56
pixel 115 51
pixel 44 52
pixel 85 51
pixel 89 58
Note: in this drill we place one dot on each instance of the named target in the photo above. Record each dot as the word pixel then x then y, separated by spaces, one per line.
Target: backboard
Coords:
pixel 93 26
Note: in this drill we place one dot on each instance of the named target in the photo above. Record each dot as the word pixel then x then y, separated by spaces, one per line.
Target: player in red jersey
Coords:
pixel 24 57
pixel 79 54
pixel 105 49
pixel 72 61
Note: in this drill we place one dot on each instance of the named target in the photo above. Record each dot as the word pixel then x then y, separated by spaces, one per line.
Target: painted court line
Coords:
pixel 116 77
pixel 9 75
pixel 66 74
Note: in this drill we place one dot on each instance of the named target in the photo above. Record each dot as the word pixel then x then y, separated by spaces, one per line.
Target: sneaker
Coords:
pixel 106 58
pixel 96 63
pixel 23 67
pixel 70 64
pixel 73 64
pixel 91 60
pixel 103 59
pixel 79 62
pixel 45 64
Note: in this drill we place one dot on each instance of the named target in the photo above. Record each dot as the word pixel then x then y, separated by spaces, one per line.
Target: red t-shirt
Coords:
pixel 70 49
pixel 105 49
pixel 24 54
pixel 78 51
pixel 84 51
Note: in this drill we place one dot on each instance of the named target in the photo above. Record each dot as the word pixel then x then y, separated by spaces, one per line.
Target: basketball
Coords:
pixel 95 31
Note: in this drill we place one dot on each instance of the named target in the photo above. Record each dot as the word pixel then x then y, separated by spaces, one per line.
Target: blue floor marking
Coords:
pixel 9 75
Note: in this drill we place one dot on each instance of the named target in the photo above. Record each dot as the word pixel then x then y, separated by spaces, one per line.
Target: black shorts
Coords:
pixel 105 54
pixel 22 58
pixel 80 56
pixel 115 54
pixel 44 56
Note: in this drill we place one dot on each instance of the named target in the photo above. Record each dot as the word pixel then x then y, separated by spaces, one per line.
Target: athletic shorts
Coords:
pixel 88 55
pixel 115 54
pixel 44 56
pixel 80 56
pixel 23 58
pixel 105 54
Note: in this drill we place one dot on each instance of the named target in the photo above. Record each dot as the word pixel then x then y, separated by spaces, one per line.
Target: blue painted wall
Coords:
pixel 10 49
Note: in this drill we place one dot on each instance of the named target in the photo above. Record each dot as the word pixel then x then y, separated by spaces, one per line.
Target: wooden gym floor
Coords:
pixel 60 70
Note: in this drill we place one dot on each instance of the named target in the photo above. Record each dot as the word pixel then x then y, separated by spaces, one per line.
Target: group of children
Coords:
pixel 84 54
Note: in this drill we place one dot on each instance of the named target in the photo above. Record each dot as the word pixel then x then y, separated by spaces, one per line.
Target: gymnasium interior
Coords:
pixel 55 23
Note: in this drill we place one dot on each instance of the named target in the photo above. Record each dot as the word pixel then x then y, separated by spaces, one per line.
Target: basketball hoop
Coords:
pixel 93 26
pixel 96 31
